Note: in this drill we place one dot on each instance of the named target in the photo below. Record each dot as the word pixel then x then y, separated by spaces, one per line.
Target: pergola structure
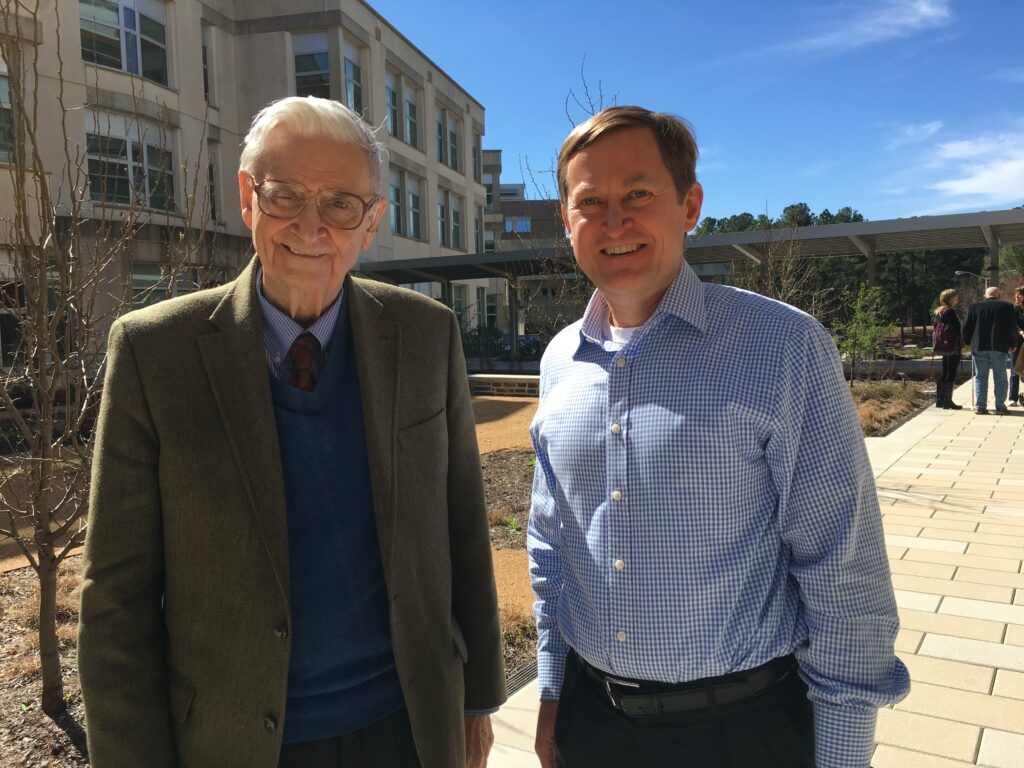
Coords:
pixel 714 254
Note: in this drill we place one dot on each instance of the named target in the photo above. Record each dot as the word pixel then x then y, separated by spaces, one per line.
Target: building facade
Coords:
pixel 141 107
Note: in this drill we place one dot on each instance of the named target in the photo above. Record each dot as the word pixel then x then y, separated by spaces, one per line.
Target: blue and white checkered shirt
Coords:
pixel 703 504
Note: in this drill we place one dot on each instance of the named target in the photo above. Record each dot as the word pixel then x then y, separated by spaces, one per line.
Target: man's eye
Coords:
pixel 339 202
pixel 639 194
pixel 588 202
pixel 284 196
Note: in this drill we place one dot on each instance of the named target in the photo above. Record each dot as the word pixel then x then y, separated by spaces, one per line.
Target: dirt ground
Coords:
pixel 503 422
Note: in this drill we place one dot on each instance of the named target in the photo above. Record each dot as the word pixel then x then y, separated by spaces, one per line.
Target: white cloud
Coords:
pixel 891 20
pixel 985 170
pixel 913 134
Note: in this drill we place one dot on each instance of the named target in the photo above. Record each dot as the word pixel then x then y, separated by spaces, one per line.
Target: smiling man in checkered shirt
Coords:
pixel 705 541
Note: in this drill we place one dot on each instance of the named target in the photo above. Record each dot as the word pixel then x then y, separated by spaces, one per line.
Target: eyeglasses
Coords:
pixel 281 200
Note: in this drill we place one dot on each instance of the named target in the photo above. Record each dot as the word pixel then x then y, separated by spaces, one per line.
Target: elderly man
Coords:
pixel 288 559
pixel 705 540
pixel 991 330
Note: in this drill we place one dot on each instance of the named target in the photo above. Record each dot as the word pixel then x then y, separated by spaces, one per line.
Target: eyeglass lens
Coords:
pixel 338 209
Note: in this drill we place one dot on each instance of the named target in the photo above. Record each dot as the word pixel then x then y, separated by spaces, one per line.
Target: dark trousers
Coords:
pixel 950 363
pixel 773 729
pixel 1014 378
pixel 384 744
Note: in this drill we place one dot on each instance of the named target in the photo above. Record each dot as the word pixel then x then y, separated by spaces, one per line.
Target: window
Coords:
pixel 478 230
pixel 211 181
pixel 6 126
pixel 492 310
pixel 481 302
pixel 520 224
pixel 489 186
pixel 456 209
pixel 152 283
pixel 489 241
pixel 312 76
pixel 411 118
pixel 130 164
pixel 395 198
pixel 129 35
pixel 442 218
pixel 459 302
pixel 448 128
pixel 391 97
pixel 205 35
pixel 413 196
pixel 477 152
pixel 353 79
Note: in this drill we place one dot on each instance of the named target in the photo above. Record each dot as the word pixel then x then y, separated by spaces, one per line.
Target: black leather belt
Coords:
pixel 638 698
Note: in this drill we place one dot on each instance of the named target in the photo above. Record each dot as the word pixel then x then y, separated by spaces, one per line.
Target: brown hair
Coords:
pixel 946 297
pixel 1019 290
pixel 675 139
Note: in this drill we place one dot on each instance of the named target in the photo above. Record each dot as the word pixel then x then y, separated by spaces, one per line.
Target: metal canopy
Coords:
pixel 987 229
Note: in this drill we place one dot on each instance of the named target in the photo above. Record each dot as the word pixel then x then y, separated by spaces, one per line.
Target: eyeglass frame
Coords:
pixel 367 204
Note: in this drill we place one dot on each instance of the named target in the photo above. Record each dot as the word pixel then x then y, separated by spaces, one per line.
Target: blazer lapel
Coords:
pixel 236 362
pixel 377 361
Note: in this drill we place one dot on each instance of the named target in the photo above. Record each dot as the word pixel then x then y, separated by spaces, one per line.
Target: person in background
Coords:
pixel 991 327
pixel 946 314
pixel 1016 398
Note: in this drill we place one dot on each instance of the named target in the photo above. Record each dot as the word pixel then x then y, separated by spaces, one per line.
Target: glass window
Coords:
pixel 492 310
pixel 489 189
pixel 488 241
pixel 459 302
pixel 442 219
pixel 211 182
pixel 411 119
pixel 517 224
pixel 139 24
pixel 353 80
pixel 6 126
pixel 312 76
pixel 481 301
pixel 456 222
pixel 148 285
pixel 477 150
pixel 391 97
pixel 129 164
pixel 412 194
pixel 440 137
pixel 395 198
pixel 205 34
pixel 453 143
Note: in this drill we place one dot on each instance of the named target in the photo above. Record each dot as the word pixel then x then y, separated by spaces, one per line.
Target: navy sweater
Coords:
pixel 342 672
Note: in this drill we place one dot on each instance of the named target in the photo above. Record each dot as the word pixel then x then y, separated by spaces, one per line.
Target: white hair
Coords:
pixel 312 116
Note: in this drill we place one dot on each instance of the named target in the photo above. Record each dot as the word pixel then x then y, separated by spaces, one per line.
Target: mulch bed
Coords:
pixel 508 477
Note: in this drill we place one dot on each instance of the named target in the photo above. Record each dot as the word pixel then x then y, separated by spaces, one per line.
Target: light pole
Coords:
pixel 961 272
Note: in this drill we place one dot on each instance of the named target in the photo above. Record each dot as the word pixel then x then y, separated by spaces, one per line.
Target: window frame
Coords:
pixel 140 141
pixel 132 41
pixel 6 120
pixel 301 46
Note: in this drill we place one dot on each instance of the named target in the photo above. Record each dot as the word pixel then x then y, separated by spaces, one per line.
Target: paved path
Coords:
pixel 951 486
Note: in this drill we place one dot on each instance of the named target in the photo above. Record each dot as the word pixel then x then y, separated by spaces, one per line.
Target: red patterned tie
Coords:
pixel 304 354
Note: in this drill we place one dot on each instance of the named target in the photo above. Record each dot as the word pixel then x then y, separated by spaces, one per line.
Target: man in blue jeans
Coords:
pixel 991 325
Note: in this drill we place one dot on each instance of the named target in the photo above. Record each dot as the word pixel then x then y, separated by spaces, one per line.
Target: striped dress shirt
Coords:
pixel 703 503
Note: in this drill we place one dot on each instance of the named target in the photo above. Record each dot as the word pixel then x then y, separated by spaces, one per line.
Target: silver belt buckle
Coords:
pixel 608 681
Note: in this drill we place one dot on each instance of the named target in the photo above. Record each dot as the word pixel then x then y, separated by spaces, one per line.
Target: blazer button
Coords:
pixel 282 632
pixel 269 724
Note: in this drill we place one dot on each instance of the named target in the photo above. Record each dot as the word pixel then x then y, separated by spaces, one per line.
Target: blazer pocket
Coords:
pixel 459 641
pixel 407 435
pixel 182 693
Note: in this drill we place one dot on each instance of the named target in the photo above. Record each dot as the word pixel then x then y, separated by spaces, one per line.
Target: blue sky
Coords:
pixel 895 107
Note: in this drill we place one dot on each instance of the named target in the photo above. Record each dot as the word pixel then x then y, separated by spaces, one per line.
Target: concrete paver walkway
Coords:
pixel 951 486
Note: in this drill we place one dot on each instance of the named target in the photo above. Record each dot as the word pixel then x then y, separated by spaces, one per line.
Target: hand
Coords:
pixel 479 738
pixel 544 744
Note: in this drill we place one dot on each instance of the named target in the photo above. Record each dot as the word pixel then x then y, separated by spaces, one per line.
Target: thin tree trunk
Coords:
pixel 49 651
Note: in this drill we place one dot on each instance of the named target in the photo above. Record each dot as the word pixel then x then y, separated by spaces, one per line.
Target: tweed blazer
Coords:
pixel 184 634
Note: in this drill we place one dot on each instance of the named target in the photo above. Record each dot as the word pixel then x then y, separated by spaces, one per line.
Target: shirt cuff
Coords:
pixel 481 712
pixel 551 653
pixel 843 736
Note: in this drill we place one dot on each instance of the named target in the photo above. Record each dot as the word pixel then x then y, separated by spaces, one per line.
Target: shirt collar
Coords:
pixel 281 330
pixel 684 299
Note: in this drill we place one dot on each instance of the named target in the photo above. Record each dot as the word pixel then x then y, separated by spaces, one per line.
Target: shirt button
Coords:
pixel 619 565
pixel 620 362
pixel 616 429
pixel 269 724
pixel 616 495
pixel 620 636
